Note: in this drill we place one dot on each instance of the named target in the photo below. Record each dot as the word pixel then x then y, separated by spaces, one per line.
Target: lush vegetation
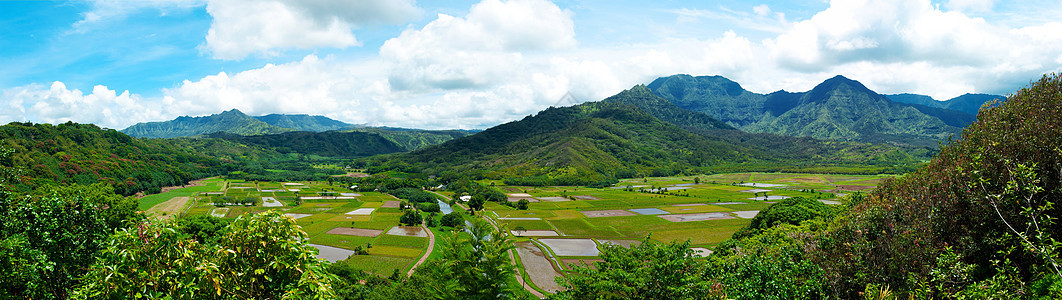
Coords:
pixel 413 139
pixel 329 144
pixel 977 222
pixel 72 153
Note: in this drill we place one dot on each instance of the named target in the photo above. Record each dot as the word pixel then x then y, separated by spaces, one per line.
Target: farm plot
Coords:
pixel 538 268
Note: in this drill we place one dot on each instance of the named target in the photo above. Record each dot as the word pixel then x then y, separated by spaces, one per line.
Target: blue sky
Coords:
pixel 475 64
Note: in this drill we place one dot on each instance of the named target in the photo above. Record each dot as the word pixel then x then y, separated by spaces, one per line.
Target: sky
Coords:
pixel 455 64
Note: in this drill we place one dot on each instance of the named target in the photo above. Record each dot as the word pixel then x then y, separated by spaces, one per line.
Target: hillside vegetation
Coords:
pixel 72 153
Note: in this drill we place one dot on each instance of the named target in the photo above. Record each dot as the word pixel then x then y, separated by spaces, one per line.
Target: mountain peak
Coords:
pixel 235 112
pixel 823 90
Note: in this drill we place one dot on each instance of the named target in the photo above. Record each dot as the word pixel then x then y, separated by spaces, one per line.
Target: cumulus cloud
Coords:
pixel 885 36
pixel 57 104
pixel 477 50
pixel 245 27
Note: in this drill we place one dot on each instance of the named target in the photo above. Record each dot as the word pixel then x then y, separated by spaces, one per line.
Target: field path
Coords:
pixel 171 208
pixel 431 247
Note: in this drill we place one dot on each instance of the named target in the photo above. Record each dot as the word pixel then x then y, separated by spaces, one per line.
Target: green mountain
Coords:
pixel 232 121
pixel 967 103
pixel 838 108
pixel 303 122
pixel 596 142
pixel 413 139
pixel 641 97
pixel 333 144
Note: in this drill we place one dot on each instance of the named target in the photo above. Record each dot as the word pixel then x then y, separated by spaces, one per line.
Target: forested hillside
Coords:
pixel 331 143
pixel 80 153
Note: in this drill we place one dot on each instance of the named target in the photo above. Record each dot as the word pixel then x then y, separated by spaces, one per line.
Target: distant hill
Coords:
pixel 413 139
pixel 967 103
pixel 232 121
pixel 333 144
pixel 839 108
pixel 303 122
pixel 597 142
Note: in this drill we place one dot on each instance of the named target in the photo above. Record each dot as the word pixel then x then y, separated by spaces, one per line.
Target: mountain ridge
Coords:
pixel 838 108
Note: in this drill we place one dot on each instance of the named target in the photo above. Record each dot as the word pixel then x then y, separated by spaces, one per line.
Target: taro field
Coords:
pixel 336 219
pixel 567 225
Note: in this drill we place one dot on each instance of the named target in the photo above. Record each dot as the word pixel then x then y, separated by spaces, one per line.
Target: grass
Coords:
pixel 401 241
pixel 395 251
pixel 527 224
pixel 580 227
pixel 378 265
pixel 152 200
pixel 341 240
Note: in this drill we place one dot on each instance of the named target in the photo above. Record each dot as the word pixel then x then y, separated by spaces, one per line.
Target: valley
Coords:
pixel 635 185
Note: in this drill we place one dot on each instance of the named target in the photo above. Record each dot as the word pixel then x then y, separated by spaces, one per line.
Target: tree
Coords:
pixel 432 220
pixel 454 219
pixel 522 204
pixel 411 218
pixel 519 230
pixel 476 203
pixel 263 256
pixel 789 211
pixel 646 271
pixel 475 265
pixel 205 229
pixel 46 244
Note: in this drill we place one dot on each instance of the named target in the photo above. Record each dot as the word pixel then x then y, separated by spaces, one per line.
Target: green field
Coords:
pixel 631 210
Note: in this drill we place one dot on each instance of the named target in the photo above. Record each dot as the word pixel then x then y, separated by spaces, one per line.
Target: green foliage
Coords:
pixel 454 219
pixel 428 207
pixel 475 265
pixel 413 139
pixel 522 204
pixel 205 229
pixel 789 211
pixel 72 153
pixel 330 144
pixel 989 196
pixel 645 271
pixel 261 256
pixel 46 244
pixel 771 264
pixel 411 218
pixel 414 195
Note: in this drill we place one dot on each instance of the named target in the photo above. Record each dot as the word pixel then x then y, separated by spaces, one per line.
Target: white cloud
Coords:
pixel 57 104
pixel 762 10
pixel 971 5
pixel 245 27
pixel 475 51
pixel 916 45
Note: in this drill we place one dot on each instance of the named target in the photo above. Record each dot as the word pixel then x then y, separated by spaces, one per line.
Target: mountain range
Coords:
pixel 234 122
pixel 838 108
pixel 636 133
